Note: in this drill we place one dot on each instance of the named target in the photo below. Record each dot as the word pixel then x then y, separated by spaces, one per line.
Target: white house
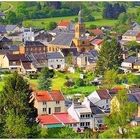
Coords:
pixel 56 60
pixel 101 98
pixel 28 35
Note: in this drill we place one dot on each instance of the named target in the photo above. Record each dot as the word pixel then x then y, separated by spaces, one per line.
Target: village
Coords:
pixel 70 50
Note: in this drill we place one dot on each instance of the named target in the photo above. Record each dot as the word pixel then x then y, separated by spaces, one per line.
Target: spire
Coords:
pixel 80 16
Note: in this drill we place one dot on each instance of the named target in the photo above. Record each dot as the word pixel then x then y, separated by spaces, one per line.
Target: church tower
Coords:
pixel 80 40
pixel 79 27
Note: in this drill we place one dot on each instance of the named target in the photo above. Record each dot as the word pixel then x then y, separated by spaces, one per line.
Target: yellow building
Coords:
pixel 80 40
pixel 71 38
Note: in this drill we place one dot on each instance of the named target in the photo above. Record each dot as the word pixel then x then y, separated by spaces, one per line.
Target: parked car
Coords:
pixel 97 81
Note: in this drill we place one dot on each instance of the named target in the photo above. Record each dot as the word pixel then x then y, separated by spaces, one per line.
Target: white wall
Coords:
pixel 56 62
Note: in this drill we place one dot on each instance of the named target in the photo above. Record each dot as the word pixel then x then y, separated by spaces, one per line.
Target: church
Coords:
pixel 71 38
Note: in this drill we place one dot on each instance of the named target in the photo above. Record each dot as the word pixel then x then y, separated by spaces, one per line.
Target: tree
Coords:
pixel 15 95
pixel 45 79
pixel 15 126
pixel 109 57
pixel 119 118
pixel 69 59
pixel 11 18
pixel 51 25
pixel 67 133
pixel 109 79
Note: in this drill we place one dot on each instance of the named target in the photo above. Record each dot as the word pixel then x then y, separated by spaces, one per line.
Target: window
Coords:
pixel 82 124
pixel 82 116
pixel 57 109
pixel 106 100
pixel 44 109
pixel 57 102
pixel 14 63
pixel 87 123
pixel 44 103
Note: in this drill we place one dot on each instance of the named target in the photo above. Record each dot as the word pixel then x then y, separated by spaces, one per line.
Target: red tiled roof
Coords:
pixel 103 94
pixel 97 31
pixel 54 95
pixel 64 23
pixel 65 118
pixel 48 119
pixel 56 118
pixel 97 41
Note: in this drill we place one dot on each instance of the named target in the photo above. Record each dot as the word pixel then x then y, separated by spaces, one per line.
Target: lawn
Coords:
pixel 1 85
pixel 58 84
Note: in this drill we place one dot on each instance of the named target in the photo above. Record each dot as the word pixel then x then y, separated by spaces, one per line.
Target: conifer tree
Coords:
pixel 109 57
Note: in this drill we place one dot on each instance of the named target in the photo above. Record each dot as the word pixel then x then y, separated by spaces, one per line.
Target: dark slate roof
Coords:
pixel 130 59
pixel 103 94
pixel 137 97
pixel 4 39
pixel 17 57
pixel 64 39
pixel 71 50
pixel 137 62
pixel 2 29
pixel 95 109
pixel 33 43
pixel 131 98
pixel 92 56
pixel 13 48
pixel 134 90
pixel 38 56
pixel 54 55
pixel 10 28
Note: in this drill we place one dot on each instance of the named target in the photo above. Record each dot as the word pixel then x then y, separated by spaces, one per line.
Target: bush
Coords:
pixel 69 83
pixel 80 82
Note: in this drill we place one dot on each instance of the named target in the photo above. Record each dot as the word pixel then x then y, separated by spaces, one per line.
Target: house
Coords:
pixel 15 37
pixel 63 40
pixel 87 59
pixel 56 60
pixel 65 25
pixel 132 96
pixel 5 43
pixel 97 32
pixel 87 114
pixel 97 43
pixel 48 102
pixel 17 62
pixel 127 64
pixel 102 99
pixel 81 114
pixel 9 29
pixel 30 47
pixel 132 63
pixel 12 29
pixel 131 35
pixel 57 120
pixel 53 60
pixel 28 35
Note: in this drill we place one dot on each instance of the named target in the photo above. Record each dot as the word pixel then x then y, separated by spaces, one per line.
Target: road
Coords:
pixel 10 7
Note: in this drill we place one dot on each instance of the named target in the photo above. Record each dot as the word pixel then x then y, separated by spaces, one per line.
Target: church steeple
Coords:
pixel 80 26
pixel 80 17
